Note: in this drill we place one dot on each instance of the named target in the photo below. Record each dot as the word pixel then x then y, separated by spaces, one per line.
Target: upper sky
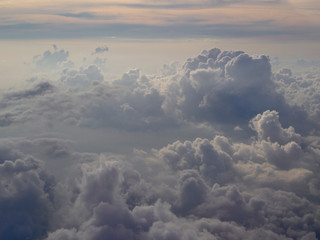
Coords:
pixel 281 19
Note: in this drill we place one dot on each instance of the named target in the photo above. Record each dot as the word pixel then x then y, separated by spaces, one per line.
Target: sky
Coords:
pixel 160 120
pixel 172 30
pixel 291 19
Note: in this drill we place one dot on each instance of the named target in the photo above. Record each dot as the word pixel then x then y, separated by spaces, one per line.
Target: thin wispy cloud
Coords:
pixel 86 15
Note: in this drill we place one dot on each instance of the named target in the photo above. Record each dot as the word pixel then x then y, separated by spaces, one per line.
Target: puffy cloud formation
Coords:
pixel 215 189
pixel 268 127
pixel 26 195
pixel 228 88
pixel 84 77
pixel 262 184
pixel 52 60
pixel 300 90
pixel 220 89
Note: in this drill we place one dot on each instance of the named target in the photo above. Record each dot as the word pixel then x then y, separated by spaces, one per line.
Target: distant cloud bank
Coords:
pixel 289 20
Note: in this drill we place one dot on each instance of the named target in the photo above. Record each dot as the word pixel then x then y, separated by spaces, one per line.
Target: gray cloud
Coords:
pixel 221 89
pixel 26 201
pixel 37 90
pixel 218 212
pixel 178 30
pixel 229 87
pixel 268 127
pixel 190 4
pixel 261 185
pixel 85 77
pixel 120 198
pixel 99 50
pixel 300 90
pixel 52 60
pixel 86 15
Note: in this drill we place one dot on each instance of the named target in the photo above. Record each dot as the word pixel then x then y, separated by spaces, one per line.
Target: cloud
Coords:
pixel 268 127
pixel 26 196
pixel 83 19
pixel 229 88
pixel 38 89
pixel 99 50
pixel 202 155
pixel 221 89
pixel 100 62
pixel 263 184
pixel 191 4
pixel 119 197
pixel 218 212
pixel 191 27
pixel 52 59
pixel 300 91
pixel 85 77
pixel 85 15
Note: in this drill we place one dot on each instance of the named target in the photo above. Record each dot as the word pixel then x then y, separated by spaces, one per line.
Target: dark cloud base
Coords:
pixel 257 179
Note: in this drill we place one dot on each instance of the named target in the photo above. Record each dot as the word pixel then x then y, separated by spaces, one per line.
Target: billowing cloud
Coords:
pixel 262 184
pixel 123 198
pixel 300 91
pixel 26 196
pixel 220 89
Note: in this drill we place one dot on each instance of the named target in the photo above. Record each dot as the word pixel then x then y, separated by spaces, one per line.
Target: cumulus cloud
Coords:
pixel 113 196
pixel 220 89
pixel 52 59
pixel 26 199
pixel 220 190
pixel 263 184
pixel 229 88
pixel 268 127
pixel 82 78
pixel 300 90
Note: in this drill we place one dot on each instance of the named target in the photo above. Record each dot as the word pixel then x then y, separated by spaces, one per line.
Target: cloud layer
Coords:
pixel 293 20
pixel 255 178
